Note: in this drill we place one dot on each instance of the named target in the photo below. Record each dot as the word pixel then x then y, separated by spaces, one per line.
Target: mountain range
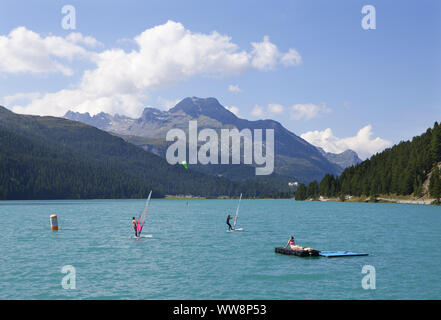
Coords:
pixel 344 159
pixel 295 158
pixel 56 158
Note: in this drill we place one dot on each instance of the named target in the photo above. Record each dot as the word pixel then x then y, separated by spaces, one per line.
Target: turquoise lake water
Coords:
pixel 191 256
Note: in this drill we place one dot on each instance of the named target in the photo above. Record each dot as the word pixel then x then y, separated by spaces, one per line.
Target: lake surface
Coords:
pixel 191 256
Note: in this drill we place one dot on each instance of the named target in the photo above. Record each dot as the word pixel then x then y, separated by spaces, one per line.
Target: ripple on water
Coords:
pixel 191 256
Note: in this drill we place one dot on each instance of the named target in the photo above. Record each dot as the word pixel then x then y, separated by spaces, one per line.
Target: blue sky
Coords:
pixel 348 78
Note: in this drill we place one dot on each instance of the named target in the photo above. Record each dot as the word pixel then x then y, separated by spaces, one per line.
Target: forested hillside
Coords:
pixel 399 170
pixel 54 158
pixel 34 171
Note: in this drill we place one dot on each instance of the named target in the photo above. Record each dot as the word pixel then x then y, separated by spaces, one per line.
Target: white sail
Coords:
pixel 142 217
pixel 237 212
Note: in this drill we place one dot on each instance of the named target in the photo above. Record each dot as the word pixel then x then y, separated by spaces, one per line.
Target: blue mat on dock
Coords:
pixel 334 254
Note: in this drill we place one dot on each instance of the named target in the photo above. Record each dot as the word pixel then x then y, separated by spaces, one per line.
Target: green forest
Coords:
pixel 54 158
pixel 401 170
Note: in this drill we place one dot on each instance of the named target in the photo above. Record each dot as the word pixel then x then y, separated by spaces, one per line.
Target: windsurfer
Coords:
pixel 135 226
pixel 228 223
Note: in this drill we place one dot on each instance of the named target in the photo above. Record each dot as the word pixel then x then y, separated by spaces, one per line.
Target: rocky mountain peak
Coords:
pixel 210 107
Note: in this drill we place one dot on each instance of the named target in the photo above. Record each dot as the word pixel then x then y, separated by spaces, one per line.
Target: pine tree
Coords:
pixel 435 144
pixel 435 184
pixel 301 192
pixel 313 190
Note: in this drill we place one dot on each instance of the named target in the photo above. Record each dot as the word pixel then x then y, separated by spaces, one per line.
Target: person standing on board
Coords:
pixel 135 226
pixel 228 223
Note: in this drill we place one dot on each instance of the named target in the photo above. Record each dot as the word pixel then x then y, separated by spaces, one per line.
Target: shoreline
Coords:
pixel 382 199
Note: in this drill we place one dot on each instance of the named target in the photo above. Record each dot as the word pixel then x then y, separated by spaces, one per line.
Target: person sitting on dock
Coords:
pixel 135 226
pixel 291 243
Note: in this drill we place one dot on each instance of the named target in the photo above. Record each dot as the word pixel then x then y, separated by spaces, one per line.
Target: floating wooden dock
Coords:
pixel 299 253
pixel 315 253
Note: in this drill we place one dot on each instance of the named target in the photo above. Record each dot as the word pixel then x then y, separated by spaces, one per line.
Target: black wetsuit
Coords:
pixel 228 222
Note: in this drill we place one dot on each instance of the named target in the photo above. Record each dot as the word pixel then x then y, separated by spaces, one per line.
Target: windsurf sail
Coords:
pixel 142 217
pixel 237 212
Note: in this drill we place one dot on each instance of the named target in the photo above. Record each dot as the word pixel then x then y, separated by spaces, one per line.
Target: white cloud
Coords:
pixel 84 101
pixel 275 108
pixel 291 58
pixel 362 143
pixel 26 51
pixel 233 109
pixel 266 55
pixel 234 88
pixel 76 37
pixel 266 112
pixel 27 97
pixel 165 54
pixel 258 111
pixel 167 103
pixel 307 111
pixel 297 111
